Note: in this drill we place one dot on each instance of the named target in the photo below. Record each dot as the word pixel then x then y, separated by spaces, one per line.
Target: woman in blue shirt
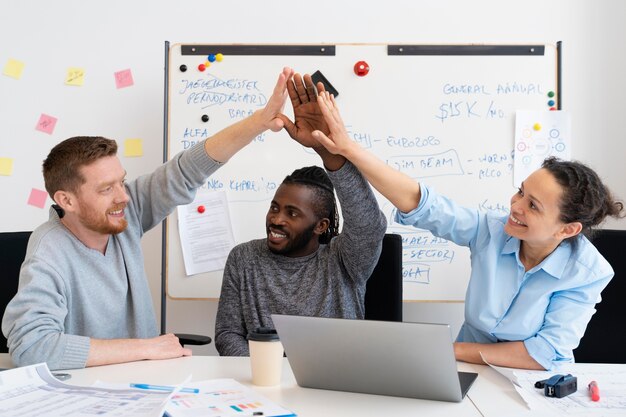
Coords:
pixel 535 278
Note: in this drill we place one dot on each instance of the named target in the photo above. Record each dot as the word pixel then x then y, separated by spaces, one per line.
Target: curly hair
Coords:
pixel 585 198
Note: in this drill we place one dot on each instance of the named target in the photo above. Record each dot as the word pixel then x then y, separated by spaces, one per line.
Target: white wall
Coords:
pixel 107 36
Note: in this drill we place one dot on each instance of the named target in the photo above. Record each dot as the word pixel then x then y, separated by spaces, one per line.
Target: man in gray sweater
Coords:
pixel 83 297
pixel 303 267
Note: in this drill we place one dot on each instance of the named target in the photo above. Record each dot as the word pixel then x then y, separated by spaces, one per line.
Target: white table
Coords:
pixel 305 402
pixel 492 395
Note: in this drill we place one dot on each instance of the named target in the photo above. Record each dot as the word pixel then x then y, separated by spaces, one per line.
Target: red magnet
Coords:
pixel 361 68
pixel 200 209
pixel 201 67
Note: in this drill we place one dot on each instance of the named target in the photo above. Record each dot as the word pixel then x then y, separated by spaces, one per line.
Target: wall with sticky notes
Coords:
pixel 452 128
pixel 118 46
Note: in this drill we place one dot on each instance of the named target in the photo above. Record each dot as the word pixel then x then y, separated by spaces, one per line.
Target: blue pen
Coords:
pixel 164 388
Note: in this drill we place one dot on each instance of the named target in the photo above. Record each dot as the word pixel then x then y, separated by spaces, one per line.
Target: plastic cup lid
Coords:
pixel 263 334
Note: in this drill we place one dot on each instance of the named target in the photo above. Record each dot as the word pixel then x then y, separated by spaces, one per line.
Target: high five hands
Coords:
pixel 308 116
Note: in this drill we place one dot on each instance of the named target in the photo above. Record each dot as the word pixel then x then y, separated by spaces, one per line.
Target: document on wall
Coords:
pixel 32 391
pixel 610 378
pixel 206 233
pixel 538 135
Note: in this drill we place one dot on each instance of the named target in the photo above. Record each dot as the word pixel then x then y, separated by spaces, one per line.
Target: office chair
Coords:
pixel 12 253
pixel 605 337
pixel 383 294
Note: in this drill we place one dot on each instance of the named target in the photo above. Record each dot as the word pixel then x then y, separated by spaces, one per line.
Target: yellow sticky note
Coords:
pixel 13 68
pixel 133 147
pixel 75 76
pixel 6 166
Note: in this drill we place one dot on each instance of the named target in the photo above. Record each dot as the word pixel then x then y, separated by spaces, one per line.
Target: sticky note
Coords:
pixel 133 147
pixel 6 166
pixel 13 68
pixel 123 78
pixel 37 198
pixel 46 124
pixel 75 76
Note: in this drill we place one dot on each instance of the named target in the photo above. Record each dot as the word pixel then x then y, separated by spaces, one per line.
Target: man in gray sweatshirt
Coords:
pixel 303 267
pixel 83 297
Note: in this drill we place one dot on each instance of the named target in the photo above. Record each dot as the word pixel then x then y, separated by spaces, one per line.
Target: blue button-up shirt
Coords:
pixel 547 307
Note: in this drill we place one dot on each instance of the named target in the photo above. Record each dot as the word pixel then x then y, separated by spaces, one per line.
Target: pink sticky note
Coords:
pixel 123 78
pixel 37 198
pixel 46 124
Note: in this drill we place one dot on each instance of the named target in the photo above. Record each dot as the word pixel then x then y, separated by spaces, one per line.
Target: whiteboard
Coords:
pixel 443 114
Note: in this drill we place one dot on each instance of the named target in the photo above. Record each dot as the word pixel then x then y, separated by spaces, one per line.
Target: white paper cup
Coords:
pixel 266 357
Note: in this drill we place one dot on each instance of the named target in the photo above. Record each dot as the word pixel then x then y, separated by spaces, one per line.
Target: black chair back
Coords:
pixel 383 294
pixel 605 337
pixel 12 253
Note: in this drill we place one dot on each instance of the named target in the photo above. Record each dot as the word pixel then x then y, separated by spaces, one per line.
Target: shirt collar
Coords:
pixel 510 246
pixel 554 264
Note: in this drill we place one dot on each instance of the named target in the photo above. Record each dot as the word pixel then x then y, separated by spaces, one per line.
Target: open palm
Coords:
pixel 307 115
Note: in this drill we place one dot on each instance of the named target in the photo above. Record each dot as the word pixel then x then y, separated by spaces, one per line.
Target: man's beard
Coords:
pixel 96 223
pixel 300 241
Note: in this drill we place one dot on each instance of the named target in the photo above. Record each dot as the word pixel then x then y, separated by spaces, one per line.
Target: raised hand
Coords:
pixel 336 141
pixel 274 107
pixel 307 114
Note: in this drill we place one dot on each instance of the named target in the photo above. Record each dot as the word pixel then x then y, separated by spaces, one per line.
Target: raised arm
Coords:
pixel 397 187
pixel 228 141
pixel 175 182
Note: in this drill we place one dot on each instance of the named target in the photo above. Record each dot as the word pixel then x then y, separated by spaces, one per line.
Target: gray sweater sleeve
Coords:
pixel 34 320
pixel 174 183
pixel 364 225
pixel 230 326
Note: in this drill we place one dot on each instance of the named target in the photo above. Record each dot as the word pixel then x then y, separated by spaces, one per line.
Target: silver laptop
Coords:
pixel 375 357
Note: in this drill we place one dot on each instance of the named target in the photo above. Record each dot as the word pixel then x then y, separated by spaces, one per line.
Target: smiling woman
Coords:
pixel 535 278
